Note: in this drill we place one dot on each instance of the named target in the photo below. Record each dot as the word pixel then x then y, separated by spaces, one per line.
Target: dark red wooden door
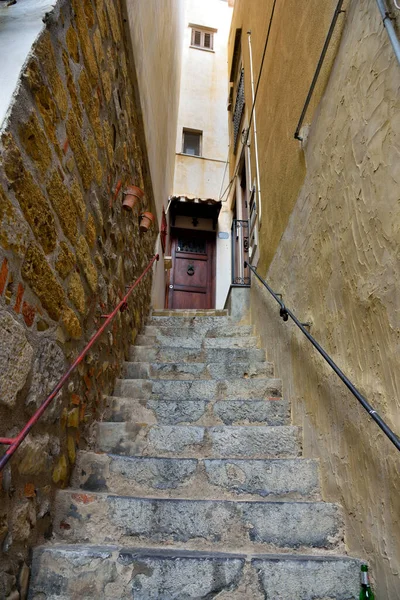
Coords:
pixel 192 283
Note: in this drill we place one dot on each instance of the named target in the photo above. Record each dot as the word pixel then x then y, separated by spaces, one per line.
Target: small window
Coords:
pixel 191 142
pixel 202 39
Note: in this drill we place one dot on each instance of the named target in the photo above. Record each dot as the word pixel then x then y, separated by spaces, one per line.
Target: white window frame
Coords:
pixel 195 132
pixel 202 32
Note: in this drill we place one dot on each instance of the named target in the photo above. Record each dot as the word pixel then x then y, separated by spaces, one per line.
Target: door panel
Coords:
pixel 191 271
pixel 192 280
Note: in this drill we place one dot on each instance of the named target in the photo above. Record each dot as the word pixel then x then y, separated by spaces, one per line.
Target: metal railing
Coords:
pixel 240 252
pixel 285 313
pixel 14 443
pixel 391 31
pixel 336 14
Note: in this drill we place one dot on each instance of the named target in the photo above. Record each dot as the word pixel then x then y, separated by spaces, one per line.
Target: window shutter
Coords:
pixel 196 38
pixel 207 40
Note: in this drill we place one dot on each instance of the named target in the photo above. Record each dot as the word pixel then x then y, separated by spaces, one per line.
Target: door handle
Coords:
pixel 171 287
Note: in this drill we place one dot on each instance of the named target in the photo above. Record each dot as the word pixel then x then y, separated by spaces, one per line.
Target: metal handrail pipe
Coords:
pixel 336 14
pixel 14 443
pixel 285 313
pixel 387 21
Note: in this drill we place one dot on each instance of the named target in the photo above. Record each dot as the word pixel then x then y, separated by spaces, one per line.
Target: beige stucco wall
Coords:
pixel 297 36
pixel 204 90
pixel 203 101
pixel 337 265
pixel 156 48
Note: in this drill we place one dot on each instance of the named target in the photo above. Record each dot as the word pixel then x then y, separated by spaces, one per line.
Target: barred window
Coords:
pixel 202 39
pixel 239 107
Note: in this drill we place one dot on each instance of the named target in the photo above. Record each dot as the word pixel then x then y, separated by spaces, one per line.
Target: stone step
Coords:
pixel 64 572
pixel 189 313
pixel 241 389
pixel 191 322
pixel 296 479
pixel 199 412
pixel 197 524
pixel 132 439
pixel 210 331
pixel 196 355
pixel 196 341
pixel 187 371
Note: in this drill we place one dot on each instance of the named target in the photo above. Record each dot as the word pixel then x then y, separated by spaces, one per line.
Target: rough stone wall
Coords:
pixel 338 266
pixel 71 142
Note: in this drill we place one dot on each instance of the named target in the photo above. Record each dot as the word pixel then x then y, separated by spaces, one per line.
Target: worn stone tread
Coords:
pixel 151 411
pixel 64 572
pixel 131 439
pixel 195 355
pixel 193 478
pixel 199 331
pixel 189 312
pixel 198 524
pixel 231 389
pixel 195 370
pixel 197 342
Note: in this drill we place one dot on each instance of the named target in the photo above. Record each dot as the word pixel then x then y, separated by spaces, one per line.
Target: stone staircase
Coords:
pixel 198 489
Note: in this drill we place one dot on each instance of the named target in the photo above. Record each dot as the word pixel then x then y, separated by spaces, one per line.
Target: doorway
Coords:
pixel 192 278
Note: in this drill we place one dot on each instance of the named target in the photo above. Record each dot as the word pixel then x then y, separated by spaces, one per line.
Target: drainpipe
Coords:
pixel 255 130
pixel 383 9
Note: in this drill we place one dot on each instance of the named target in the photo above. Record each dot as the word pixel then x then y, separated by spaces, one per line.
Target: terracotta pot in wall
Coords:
pixel 132 196
pixel 146 219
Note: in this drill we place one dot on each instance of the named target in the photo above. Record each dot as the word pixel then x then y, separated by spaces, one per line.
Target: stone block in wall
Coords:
pixel 34 142
pixel 81 155
pixel 48 367
pixel 77 196
pixel 37 272
pixel 71 323
pixel 63 204
pixel 85 42
pixel 14 231
pixel 72 88
pixel 65 261
pixel 45 53
pixel 76 293
pixel 32 201
pixel 85 261
pixel 72 44
pixel 44 100
pixel 33 456
pixel 15 357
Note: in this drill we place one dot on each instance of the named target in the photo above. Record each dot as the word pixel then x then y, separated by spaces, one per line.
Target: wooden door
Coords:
pixel 192 282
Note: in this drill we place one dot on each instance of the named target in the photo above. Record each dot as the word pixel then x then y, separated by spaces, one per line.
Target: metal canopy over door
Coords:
pixel 192 283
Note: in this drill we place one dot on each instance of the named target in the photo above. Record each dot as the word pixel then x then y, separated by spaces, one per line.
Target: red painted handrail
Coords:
pixel 14 443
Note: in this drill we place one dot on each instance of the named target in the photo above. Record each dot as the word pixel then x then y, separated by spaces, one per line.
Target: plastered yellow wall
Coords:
pixel 155 30
pixel 297 36
pixel 337 265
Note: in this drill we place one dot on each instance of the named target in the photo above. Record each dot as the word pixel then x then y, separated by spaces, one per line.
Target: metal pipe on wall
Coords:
pixel 383 9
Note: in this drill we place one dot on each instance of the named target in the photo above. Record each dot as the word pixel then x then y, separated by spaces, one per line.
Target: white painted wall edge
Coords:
pixel 20 26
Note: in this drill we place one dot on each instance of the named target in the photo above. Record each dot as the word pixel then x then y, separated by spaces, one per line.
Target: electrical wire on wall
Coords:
pixel 246 133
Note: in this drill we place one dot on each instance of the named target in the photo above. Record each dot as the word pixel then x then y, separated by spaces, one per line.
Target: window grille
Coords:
pixel 239 107
pixel 202 39
pixel 253 233
pixel 240 253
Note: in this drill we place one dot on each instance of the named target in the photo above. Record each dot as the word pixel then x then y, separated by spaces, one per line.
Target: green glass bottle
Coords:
pixel 366 592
